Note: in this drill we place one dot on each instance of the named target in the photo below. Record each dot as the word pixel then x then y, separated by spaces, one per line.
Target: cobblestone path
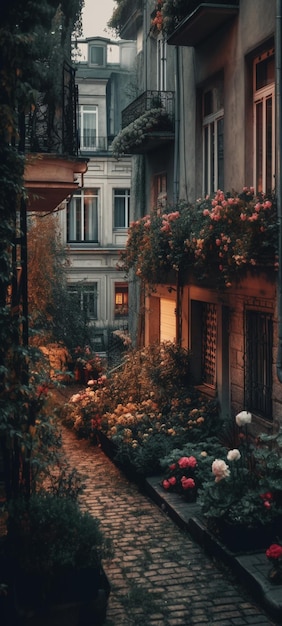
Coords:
pixel 159 576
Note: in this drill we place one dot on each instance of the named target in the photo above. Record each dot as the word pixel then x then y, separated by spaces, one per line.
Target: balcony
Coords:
pixel 48 137
pixel 147 101
pixel 147 123
pixel 92 145
pixel 202 20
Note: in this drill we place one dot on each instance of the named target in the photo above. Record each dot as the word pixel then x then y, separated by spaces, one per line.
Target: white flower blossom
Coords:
pixel 233 455
pixel 243 418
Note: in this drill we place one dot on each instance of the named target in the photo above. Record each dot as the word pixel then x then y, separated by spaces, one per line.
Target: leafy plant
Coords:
pixel 217 238
pixel 48 534
pixel 246 484
pixel 134 134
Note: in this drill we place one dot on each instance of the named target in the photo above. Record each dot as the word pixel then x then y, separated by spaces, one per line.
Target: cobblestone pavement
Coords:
pixel 159 576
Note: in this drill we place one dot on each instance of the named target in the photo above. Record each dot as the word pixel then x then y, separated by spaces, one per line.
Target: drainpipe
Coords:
pixel 278 68
pixel 176 128
pixel 179 287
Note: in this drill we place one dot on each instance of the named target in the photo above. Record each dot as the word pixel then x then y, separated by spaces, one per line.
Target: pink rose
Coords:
pixel 172 480
pixel 166 484
pixel 187 483
pixel 187 461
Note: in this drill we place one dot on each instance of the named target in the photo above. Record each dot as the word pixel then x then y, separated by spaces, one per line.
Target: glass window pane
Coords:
pixel 89 130
pixel 97 55
pixel 269 181
pixel 90 219
pixel 259 146
pixel 119 221
pixel 220 154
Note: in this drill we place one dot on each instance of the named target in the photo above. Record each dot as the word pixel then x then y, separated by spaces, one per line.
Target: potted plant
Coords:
pixel 53 553
pixel 242 502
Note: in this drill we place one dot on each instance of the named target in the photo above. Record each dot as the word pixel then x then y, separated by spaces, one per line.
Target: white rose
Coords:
pixel 243 418
pixel 220 470
pixel 233 455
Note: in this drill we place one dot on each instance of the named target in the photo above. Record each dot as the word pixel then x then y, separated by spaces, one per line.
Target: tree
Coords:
pixel 55 316
pixel 25 66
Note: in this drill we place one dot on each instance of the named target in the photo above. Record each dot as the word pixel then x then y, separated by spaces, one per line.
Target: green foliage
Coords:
pixel 218 239
pixel 248 491
pixel 134 134
pixel 26 54
pixel 48 534
pixel 147 408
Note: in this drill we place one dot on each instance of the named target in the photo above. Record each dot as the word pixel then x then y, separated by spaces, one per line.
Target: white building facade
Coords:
pixel 95 220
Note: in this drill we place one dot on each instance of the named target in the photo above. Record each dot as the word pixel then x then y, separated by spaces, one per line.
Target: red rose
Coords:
pixel 166 484
pixel 187 461
pixel 172 480
pixel 274 551
pixel 187 483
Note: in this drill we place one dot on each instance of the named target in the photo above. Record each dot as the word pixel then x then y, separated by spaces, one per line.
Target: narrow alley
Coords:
pixel 159 576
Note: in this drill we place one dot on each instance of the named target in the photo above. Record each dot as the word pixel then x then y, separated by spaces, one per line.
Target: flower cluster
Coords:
pixel 168 14
pixel 217 238
pixel 245 488
pixel 182 477
pixel 134 134
pixel 274 555
pixel 85 408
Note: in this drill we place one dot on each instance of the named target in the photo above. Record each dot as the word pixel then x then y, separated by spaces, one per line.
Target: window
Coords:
pixel 161 63
pixel 121 299
pixel 160 190
pixel 97 55
pixel 88 125
pixel 85 295
pixel 258 372
pixel 213 140
pixel 82 216
pixel 121 208
pixel 204 343
pixel 264 123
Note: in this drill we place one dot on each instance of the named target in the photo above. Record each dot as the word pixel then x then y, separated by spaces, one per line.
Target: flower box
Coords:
pixel 240 538
pixel 108 446
pixel 71 598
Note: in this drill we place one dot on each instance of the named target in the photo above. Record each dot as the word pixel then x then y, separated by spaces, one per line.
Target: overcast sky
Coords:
pixel 95 15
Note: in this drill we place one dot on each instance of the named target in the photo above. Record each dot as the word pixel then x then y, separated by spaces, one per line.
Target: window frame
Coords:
pixel 123 192
pixel 79 222
pixel 121 309
pixel 261 96
pixel 161 63
pixel 258 375
pixel 88 109
pixel 83 291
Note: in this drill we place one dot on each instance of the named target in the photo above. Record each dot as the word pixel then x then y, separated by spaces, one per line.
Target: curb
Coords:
pixel 251 569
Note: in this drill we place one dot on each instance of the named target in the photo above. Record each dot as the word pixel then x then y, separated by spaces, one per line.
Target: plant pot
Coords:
pixel 70 598
pixel 240 538
pixel 108 446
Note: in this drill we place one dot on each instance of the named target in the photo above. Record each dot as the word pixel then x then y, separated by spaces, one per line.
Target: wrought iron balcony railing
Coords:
pixel 147 101
pixel 51 127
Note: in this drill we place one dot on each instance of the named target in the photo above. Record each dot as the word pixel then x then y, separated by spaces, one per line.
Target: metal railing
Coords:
pixel 147 101
pixel 50 126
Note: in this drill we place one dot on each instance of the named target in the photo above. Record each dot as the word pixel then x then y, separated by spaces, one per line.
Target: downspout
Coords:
pixel 176 128
pixel 179 287
pixel 278 66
